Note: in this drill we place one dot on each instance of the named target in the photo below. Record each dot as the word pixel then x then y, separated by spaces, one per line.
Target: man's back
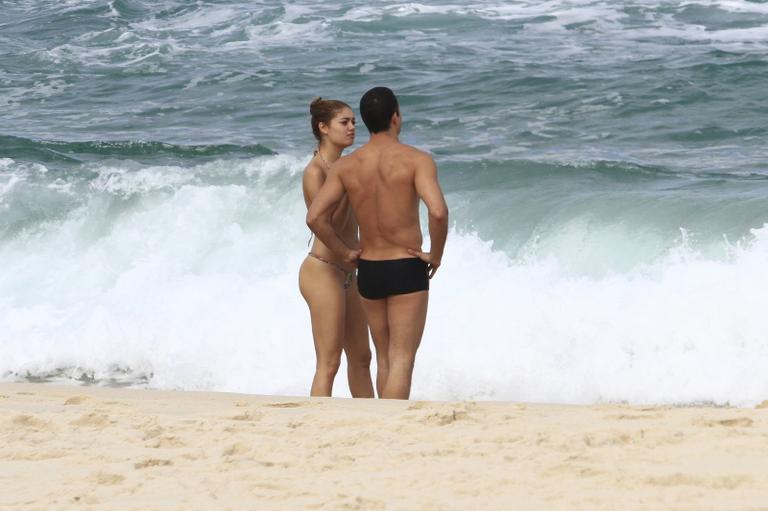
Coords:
pixel 380 181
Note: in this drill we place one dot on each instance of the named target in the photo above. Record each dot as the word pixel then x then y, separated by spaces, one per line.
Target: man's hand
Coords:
pixel 432 265
pixel 350 260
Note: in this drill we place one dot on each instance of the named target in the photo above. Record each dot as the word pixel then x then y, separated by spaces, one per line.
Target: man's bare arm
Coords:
pixel 319 217
pixel 428 188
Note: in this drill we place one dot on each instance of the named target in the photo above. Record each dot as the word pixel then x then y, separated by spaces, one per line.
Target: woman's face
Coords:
pixel 341 130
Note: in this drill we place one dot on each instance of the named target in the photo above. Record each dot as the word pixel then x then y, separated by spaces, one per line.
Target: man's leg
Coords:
pixel 376 312
pixel 406 315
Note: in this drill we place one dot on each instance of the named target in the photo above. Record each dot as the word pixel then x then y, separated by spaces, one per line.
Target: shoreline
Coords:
pixel 75 447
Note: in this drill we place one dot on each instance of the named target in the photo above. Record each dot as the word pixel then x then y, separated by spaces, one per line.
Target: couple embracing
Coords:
pixel 375 190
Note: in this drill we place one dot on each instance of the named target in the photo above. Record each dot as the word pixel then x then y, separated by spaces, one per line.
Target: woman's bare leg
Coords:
pixel 357 346
pixel 321 286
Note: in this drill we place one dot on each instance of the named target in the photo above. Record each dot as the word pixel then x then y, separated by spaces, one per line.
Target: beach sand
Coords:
pixel 67 447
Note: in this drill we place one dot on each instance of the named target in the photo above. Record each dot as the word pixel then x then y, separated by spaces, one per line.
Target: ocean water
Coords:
pixel 605 163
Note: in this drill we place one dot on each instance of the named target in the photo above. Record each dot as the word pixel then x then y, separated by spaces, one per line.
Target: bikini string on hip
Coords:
pixel 348 275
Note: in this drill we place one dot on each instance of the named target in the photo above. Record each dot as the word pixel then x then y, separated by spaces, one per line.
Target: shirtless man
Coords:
pixel 384 180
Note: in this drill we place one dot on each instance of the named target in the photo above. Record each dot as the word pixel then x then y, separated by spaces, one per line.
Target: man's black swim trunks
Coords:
pixel 380 279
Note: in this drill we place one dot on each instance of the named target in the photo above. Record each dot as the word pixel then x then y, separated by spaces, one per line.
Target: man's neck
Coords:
pixel 384 137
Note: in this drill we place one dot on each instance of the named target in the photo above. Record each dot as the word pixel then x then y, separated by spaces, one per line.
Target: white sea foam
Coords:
pixel 7 183
pixel 286 32
pixel 601 17
pixel 195 287
pixel 202 29
pixel 700 33
pixel 566 12
pixel 746 6
pixel 119 180
pixel 686 329
pixel 129 52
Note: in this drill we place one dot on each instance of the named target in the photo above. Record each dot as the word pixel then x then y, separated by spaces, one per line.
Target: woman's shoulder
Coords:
pixel 313 173
pixel 313 168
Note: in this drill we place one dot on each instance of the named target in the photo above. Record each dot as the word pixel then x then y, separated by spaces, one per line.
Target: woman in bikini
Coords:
pixel 329 288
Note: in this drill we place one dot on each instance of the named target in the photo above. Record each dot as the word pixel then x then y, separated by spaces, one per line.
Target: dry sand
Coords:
pixel 68 448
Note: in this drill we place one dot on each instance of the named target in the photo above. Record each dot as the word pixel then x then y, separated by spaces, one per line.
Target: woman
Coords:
pixel 330 290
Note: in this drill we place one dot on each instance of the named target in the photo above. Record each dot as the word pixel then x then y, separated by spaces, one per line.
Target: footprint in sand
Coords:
pixel 86 499
pixel 742 422
pixel 290 404
pixel 37 455
pixel 31 423
pixel 76 400
pixel 678 479
pixel 573 469
pixel 443 415
pixel 609 439
pixel 153 432
pixel 632 417
pixel 107 479
pixel 92 420
pixel 248 416
pixel 120 404
pixel 152 462
pixel 655 409
pixel 167 442
pixel 359 503
pixel 236 449
pixel 444 418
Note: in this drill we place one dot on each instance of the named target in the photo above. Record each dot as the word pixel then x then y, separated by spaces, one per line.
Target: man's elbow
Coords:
pixel 313 220
pixel 439 215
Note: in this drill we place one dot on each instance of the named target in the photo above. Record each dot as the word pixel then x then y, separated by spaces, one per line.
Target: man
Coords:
pixel 384 180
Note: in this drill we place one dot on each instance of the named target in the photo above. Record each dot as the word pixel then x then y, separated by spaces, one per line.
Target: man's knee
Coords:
pixel 402 359
pixel 382 360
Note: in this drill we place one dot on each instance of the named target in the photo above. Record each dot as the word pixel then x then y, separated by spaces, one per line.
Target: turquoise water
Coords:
pixel 605 165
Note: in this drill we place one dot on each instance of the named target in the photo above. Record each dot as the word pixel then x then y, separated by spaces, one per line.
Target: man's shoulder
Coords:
pixel 414 153
pixel 347 161
pixel 414 157
pixel 347 158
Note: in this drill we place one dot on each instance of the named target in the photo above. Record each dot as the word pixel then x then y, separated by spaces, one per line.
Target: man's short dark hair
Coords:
pixel 377 106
